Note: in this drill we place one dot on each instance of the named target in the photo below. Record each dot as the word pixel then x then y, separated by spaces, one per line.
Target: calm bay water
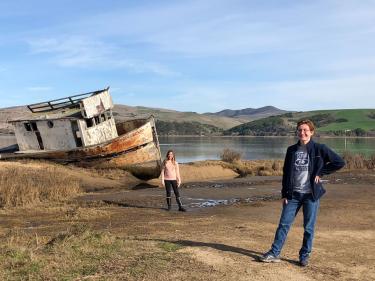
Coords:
pixel 190 149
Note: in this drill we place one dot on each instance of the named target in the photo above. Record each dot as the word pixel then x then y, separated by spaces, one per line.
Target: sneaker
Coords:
pixel 268 257
pixel 304 262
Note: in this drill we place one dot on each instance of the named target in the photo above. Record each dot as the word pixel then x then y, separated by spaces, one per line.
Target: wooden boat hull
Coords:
pixel 136 150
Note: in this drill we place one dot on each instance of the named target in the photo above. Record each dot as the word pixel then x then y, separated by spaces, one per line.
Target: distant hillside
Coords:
pixel 250 114
pixel 11 113
pixel 187 128
pixel 355 122
pixel 350 122
pixel 122 112
pixel 269 126
pixel 191 123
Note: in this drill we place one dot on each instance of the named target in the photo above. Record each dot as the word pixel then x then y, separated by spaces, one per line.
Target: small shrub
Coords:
pixel 230 156
pixel 359 132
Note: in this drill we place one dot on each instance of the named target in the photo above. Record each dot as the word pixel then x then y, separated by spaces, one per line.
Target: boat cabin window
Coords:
pixel 102 117
pixel 108 114
pixel 34 126
pixel 50 124
pixel 89 122
pixel 27 126
pixel 97 120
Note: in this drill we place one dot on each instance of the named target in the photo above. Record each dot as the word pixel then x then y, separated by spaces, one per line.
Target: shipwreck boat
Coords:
pixel 81 129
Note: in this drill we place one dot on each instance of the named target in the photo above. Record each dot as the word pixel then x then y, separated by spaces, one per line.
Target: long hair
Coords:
pixel 173 158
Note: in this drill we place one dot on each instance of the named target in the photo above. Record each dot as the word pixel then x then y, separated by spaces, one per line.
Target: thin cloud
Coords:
pixel 83 52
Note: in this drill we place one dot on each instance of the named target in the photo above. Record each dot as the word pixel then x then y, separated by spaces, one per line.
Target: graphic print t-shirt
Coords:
pixel 301 171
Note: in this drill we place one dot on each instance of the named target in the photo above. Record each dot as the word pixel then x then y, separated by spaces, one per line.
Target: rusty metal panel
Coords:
pixel 97 104
pixel 143 162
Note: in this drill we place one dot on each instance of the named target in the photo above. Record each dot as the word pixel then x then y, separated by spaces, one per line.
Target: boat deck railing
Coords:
pixel 68 102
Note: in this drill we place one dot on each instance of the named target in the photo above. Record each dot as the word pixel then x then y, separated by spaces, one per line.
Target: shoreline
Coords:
pixel 218 136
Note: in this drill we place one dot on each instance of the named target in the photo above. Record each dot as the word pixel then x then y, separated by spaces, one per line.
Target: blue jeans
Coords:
pixel 290 210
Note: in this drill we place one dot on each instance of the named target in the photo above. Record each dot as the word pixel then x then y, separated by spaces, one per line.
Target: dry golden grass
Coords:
pixel 260 167
pixel 29 184
pixel 81 253
pixel 248 167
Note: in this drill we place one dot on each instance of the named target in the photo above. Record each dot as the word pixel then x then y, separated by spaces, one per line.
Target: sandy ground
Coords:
pixel 230 222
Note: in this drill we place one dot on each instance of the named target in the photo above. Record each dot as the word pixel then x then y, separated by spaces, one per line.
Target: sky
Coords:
pixel 200 56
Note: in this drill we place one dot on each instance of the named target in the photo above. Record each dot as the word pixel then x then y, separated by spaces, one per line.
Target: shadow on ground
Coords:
pixel 127 205
pixel 143 185
pixel 222 247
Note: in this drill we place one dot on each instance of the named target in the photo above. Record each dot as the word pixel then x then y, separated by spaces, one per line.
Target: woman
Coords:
pixel 305 164
pixel 170 178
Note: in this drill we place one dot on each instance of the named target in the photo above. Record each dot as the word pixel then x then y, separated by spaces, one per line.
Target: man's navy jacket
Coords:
pixel 323 161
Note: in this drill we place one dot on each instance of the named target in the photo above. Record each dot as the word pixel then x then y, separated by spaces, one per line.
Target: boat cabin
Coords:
pixel 74 122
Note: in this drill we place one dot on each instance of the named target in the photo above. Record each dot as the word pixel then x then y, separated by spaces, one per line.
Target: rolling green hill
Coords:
pixel 269 126
pixel 351 122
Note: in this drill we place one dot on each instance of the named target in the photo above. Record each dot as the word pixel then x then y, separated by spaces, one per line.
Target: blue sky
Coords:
pixel 201 56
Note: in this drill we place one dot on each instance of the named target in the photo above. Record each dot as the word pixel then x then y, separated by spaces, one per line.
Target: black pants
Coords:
pixel 168 187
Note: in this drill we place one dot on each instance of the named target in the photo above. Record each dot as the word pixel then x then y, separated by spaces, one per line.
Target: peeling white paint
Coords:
pixel 59 137
pixel 26 140
pixel 97 104
pixel 99 133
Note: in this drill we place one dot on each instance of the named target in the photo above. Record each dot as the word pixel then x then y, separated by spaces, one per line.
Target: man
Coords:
pixel 305 163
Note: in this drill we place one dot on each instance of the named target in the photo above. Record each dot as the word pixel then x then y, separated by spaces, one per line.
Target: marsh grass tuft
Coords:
pixel 357 161
pixel 258 168
pixel 24 185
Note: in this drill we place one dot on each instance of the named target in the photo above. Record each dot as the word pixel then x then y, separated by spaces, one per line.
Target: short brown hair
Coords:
pixel 308 123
